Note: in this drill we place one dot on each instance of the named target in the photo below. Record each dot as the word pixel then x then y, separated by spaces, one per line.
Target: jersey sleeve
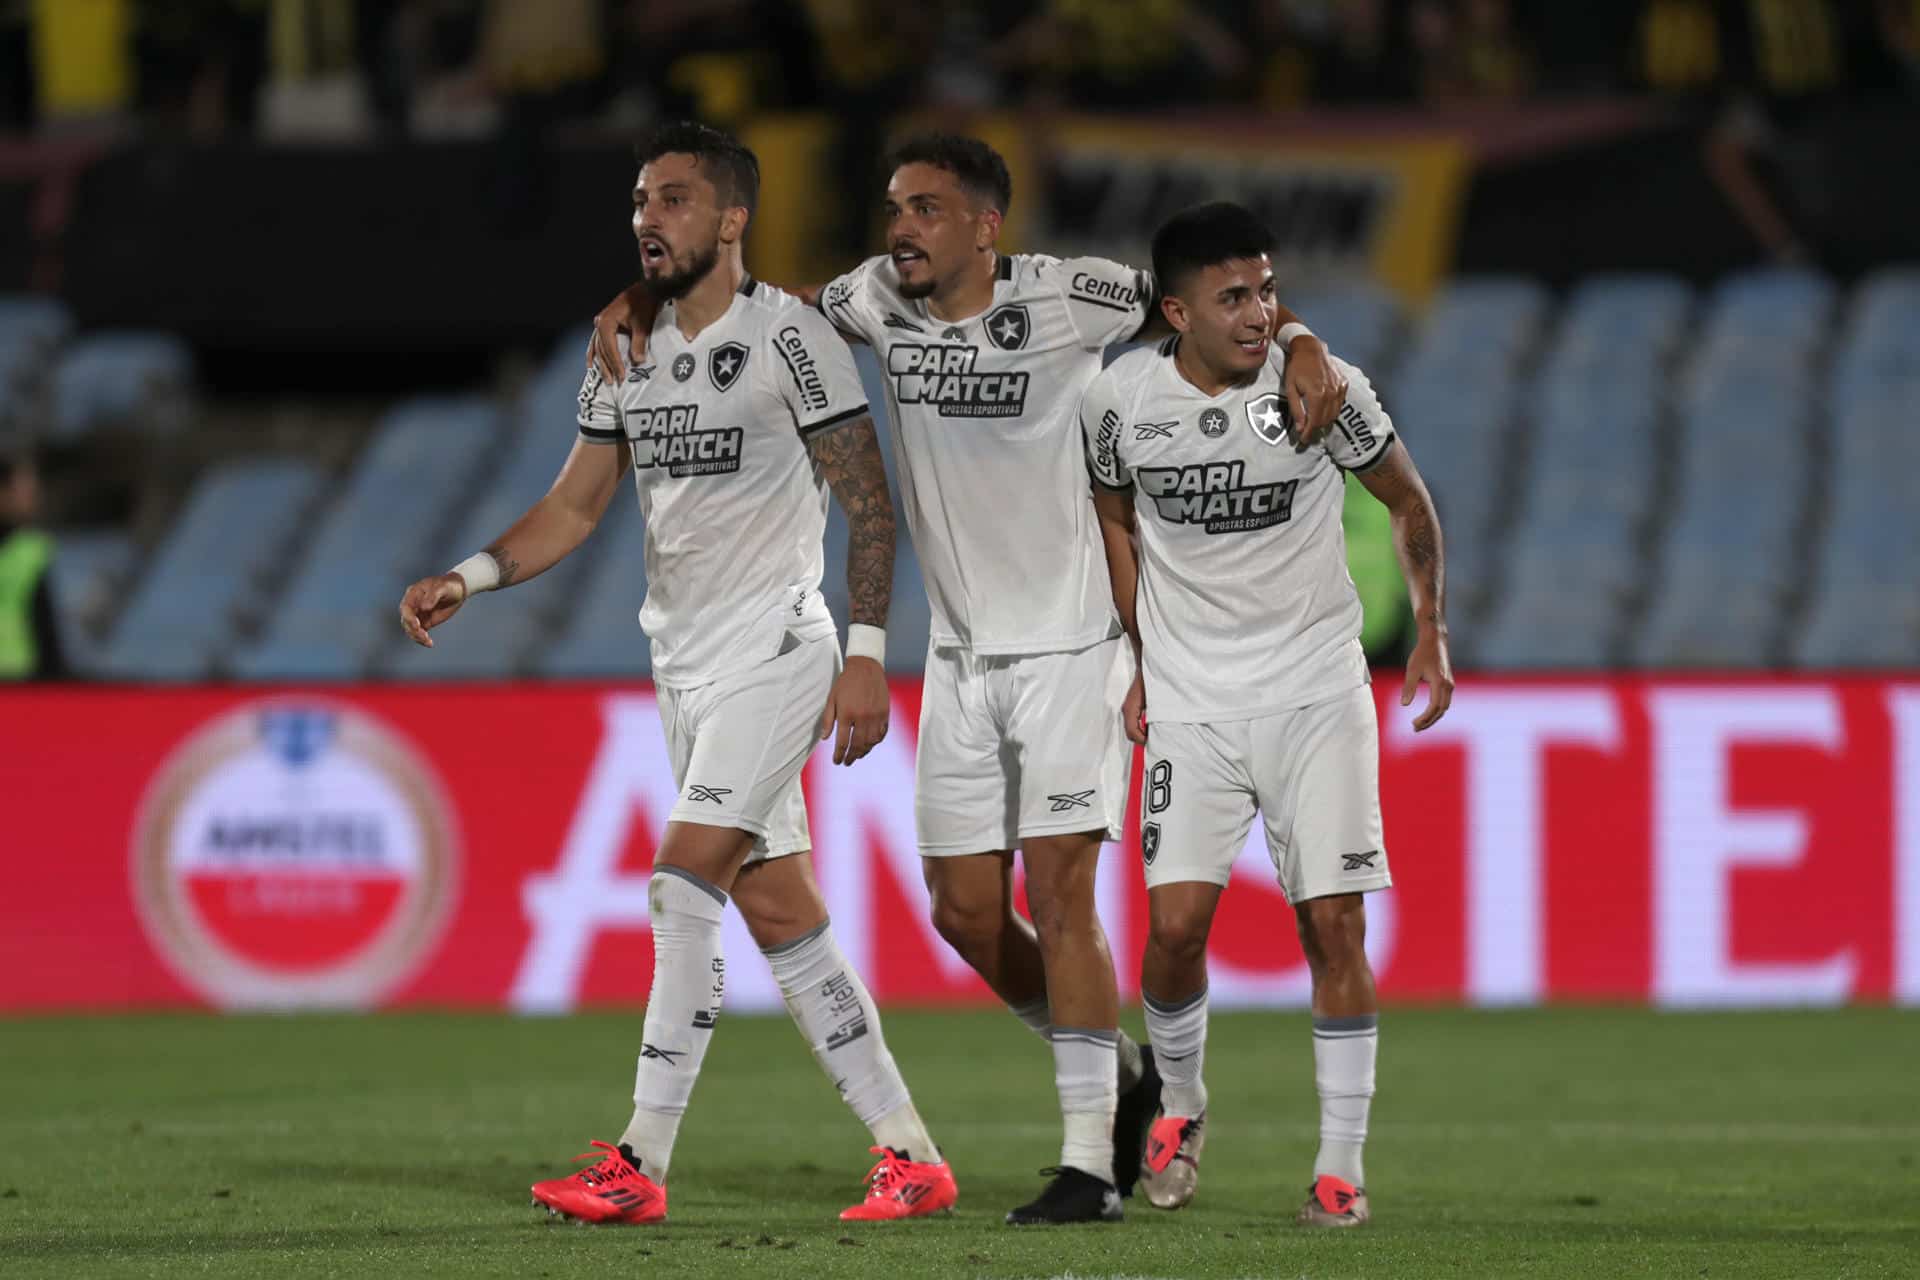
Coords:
pixel 1100 430
pixel 848 302
pixel 599 416
pixel 814 372
pixel 1106 301
pixel 1362 431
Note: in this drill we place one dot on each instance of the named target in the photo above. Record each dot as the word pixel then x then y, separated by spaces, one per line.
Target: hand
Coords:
pixel 1315 389
pixel 631 312
pixel 1133 710
pixel 1429 664
pixel 430 602
pixel 859 705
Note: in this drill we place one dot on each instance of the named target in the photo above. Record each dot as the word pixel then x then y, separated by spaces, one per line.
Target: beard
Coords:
pixel 914 292
pixel 683 276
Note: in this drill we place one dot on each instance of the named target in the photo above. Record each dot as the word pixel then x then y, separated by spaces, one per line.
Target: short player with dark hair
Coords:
pixel 1020 743
pixel 750 414
pixel 1228 565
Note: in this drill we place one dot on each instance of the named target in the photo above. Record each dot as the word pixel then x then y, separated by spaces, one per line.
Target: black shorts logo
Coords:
pixel 724 364
pixel 718 795
pixel 1008 327
pixel 1069 800
pixel 1358 861
pixel 1149 842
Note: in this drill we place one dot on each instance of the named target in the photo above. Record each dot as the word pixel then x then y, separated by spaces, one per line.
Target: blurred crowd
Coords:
pixel 438 68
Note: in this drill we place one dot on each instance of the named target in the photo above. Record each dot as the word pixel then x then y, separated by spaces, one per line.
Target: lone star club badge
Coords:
pixel 683 366
pixel 1008 327
pixel 1267 415
pixel 1149 842
pixel 1213 423
pixel 724 364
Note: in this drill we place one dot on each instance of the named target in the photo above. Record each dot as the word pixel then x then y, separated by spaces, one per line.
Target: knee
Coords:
pixel 1179 937
pixel 968 926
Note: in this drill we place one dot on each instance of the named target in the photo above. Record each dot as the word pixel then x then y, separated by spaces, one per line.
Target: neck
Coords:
pixel 709 299
pixel 1208 379
pixel 970 293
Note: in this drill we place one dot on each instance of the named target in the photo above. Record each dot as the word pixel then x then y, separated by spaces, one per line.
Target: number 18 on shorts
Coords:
pixel 1312 773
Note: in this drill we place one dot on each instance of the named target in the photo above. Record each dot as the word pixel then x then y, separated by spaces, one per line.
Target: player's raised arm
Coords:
pixel 849 457
pixel 540 539
pixel 1396 482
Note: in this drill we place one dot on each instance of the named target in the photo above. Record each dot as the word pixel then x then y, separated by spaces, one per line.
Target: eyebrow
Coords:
pixel 663 188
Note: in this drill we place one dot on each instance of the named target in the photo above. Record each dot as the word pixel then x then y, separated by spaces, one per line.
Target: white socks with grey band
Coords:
pixel 1037 1020
pixel 836 1014
pixel 1179 1035
pixel 1085 1071
pixel 689 980
pixel 1343 1056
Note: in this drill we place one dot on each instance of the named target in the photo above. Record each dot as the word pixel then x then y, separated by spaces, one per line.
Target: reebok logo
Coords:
pixel 1358 861
pixel 1072 800
pixel 669 1056
pixel 1154 430
pixel 698 793
pixel 897 321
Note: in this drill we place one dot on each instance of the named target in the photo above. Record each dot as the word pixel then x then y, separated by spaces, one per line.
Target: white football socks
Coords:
pixel 1037 1020
pixel 1343 1056
pixel 1086 1074
pixel 689 980
pixel 1179 1035
pixel 836 1014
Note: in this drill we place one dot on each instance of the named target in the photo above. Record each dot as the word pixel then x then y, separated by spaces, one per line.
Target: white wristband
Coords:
pixel 864 641
pixel 480 571
pixel 1288 332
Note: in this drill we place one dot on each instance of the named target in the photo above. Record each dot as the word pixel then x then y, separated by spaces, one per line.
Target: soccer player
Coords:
pixel 1020 739
pixel 1223 540
pixel 750 412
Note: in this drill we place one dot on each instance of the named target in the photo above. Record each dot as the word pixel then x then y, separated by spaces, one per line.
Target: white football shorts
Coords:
pixel 1015 746
pixel 737 745
pixel 1312 772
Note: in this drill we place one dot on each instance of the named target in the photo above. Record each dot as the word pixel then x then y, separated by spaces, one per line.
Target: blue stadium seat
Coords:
pixel 90 570
pixel 375 537
pixel 32 329
pixel 1358 320
pixel 237 521
pixel 136 380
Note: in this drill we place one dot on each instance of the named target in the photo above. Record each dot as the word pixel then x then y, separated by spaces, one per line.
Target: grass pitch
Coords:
pixel 1572 1142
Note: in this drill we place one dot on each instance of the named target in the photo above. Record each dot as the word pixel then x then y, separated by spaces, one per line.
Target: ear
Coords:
pixel 1176 313
pixel 986 228
pixel 733 224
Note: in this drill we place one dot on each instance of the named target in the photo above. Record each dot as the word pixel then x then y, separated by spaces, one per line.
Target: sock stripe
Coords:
pixel 782 948
pixel 1344 1035
pixel 711 890
pixel 1087 1035
pixel 1177 1006
pixel 1347 1023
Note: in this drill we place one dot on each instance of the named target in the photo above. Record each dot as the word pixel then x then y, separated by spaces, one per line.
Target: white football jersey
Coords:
pixel 1245 607
pixel 735 509
pixel 988 456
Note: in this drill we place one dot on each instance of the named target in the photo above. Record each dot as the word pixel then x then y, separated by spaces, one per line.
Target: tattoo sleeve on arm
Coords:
pixel 849 457
pixel 1416 531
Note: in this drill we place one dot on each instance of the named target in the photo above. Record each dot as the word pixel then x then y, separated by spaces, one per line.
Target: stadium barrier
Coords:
pixel 1684 841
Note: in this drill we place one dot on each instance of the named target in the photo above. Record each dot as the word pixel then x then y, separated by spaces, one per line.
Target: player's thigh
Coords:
pixel 751 738
pixel 1196 803
pixel 780 901
pixel 1070 743
pixel 1317 772
pixel 963 789
pixel 1061 871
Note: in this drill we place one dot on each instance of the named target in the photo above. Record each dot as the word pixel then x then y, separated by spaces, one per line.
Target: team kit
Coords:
pixel 1143 552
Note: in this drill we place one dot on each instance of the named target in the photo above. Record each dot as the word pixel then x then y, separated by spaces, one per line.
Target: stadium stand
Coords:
pixel 1636 474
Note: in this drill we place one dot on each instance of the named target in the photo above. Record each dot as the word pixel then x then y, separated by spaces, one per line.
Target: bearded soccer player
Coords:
pixel 1020 742
pixel 1228 565
pixel 751 412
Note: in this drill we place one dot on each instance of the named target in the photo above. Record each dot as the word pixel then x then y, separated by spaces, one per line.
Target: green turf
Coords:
pixel 1560 1143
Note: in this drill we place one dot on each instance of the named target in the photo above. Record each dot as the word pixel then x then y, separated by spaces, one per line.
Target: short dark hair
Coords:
pixel 727 162
pixel 979 169
pixel 1205 236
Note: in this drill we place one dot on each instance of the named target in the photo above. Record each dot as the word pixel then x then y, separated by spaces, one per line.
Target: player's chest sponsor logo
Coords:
pixel 944 376
pixel 1213 423
pixel 669 438
pixel 1267 415
pixel 683 365
pixel 1217 496
pixel 1008 327
pixel 725 364
pixel 800 363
